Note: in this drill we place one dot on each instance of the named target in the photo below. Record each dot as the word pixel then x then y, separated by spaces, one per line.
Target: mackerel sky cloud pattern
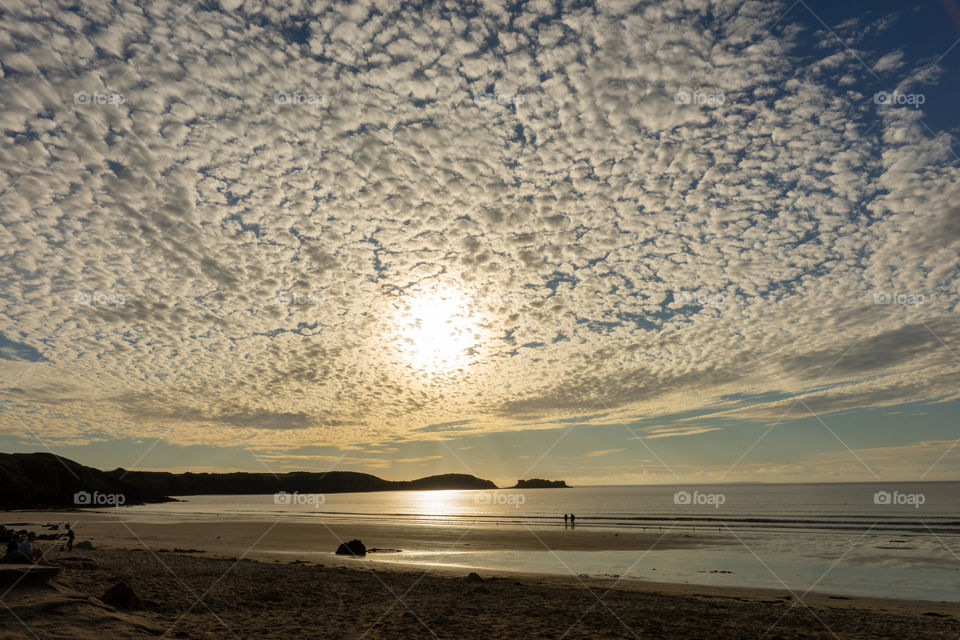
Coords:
pixel 216 219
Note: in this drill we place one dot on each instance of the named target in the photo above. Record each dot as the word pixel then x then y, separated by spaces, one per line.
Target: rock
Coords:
pixel 26 573
pixel 539 483
pixel 474 577
pixel 352 548
pixel 121 595
pixel 84 545
pixel 5 534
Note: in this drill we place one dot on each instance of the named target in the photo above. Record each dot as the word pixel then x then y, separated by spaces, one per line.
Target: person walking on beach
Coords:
pixel 70 536
pixel 564 521
pixel 573 521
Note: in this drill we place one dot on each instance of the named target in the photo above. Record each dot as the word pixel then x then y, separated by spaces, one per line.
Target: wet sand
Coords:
pixel 280 538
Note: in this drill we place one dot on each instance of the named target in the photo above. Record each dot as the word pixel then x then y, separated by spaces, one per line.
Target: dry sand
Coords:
pixel 225 593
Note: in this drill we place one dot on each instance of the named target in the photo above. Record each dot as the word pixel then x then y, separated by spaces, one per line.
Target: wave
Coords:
pixel 840 521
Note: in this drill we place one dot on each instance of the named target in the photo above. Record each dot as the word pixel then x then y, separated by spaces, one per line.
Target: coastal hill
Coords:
pixel 159 483
pixel 44 480
pixel 539 483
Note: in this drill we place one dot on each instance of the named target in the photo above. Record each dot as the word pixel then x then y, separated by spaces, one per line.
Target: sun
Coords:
pixel 436 329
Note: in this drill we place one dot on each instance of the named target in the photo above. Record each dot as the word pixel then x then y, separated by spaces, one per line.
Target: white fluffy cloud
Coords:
pixel 215 220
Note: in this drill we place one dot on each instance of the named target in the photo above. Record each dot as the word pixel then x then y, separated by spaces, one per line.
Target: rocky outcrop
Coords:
pixel 539 483
pixel 353 548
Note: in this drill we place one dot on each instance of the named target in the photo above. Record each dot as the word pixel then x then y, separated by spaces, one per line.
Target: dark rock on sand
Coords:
pixel 122 595
pixel 474 577
pixel 352 548
pixel 84 545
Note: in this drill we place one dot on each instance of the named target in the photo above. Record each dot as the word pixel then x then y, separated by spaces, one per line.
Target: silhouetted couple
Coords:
pixel 572 519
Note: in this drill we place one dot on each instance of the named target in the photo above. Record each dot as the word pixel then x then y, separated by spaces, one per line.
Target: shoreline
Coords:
pixel 943 525
pixel 423 547
pixel 234 534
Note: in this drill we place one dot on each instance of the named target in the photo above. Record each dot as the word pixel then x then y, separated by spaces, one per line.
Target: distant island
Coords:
pixel 539 483
pixel 45 480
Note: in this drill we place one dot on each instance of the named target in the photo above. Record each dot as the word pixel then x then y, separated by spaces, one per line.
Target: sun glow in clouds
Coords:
pixel 437 330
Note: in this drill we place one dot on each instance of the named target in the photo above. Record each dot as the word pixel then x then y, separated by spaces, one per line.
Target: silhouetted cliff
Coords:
pixel 157 483
pixel 44 480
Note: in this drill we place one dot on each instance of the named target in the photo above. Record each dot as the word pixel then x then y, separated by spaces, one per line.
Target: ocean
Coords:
pixel 908 507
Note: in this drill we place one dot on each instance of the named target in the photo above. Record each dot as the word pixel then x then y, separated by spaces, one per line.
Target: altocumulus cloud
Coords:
pixel 212 215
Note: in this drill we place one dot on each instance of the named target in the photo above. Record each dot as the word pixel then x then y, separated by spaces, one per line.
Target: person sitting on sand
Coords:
pixel 26 546
pixel 13 552
pixel 27 549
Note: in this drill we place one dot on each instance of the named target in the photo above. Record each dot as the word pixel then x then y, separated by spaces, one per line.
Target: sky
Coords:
pixel 606 242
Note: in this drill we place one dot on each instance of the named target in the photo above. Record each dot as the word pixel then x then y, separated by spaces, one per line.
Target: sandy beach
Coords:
pixel 186 596
pixel 239 586
pixel 278 539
